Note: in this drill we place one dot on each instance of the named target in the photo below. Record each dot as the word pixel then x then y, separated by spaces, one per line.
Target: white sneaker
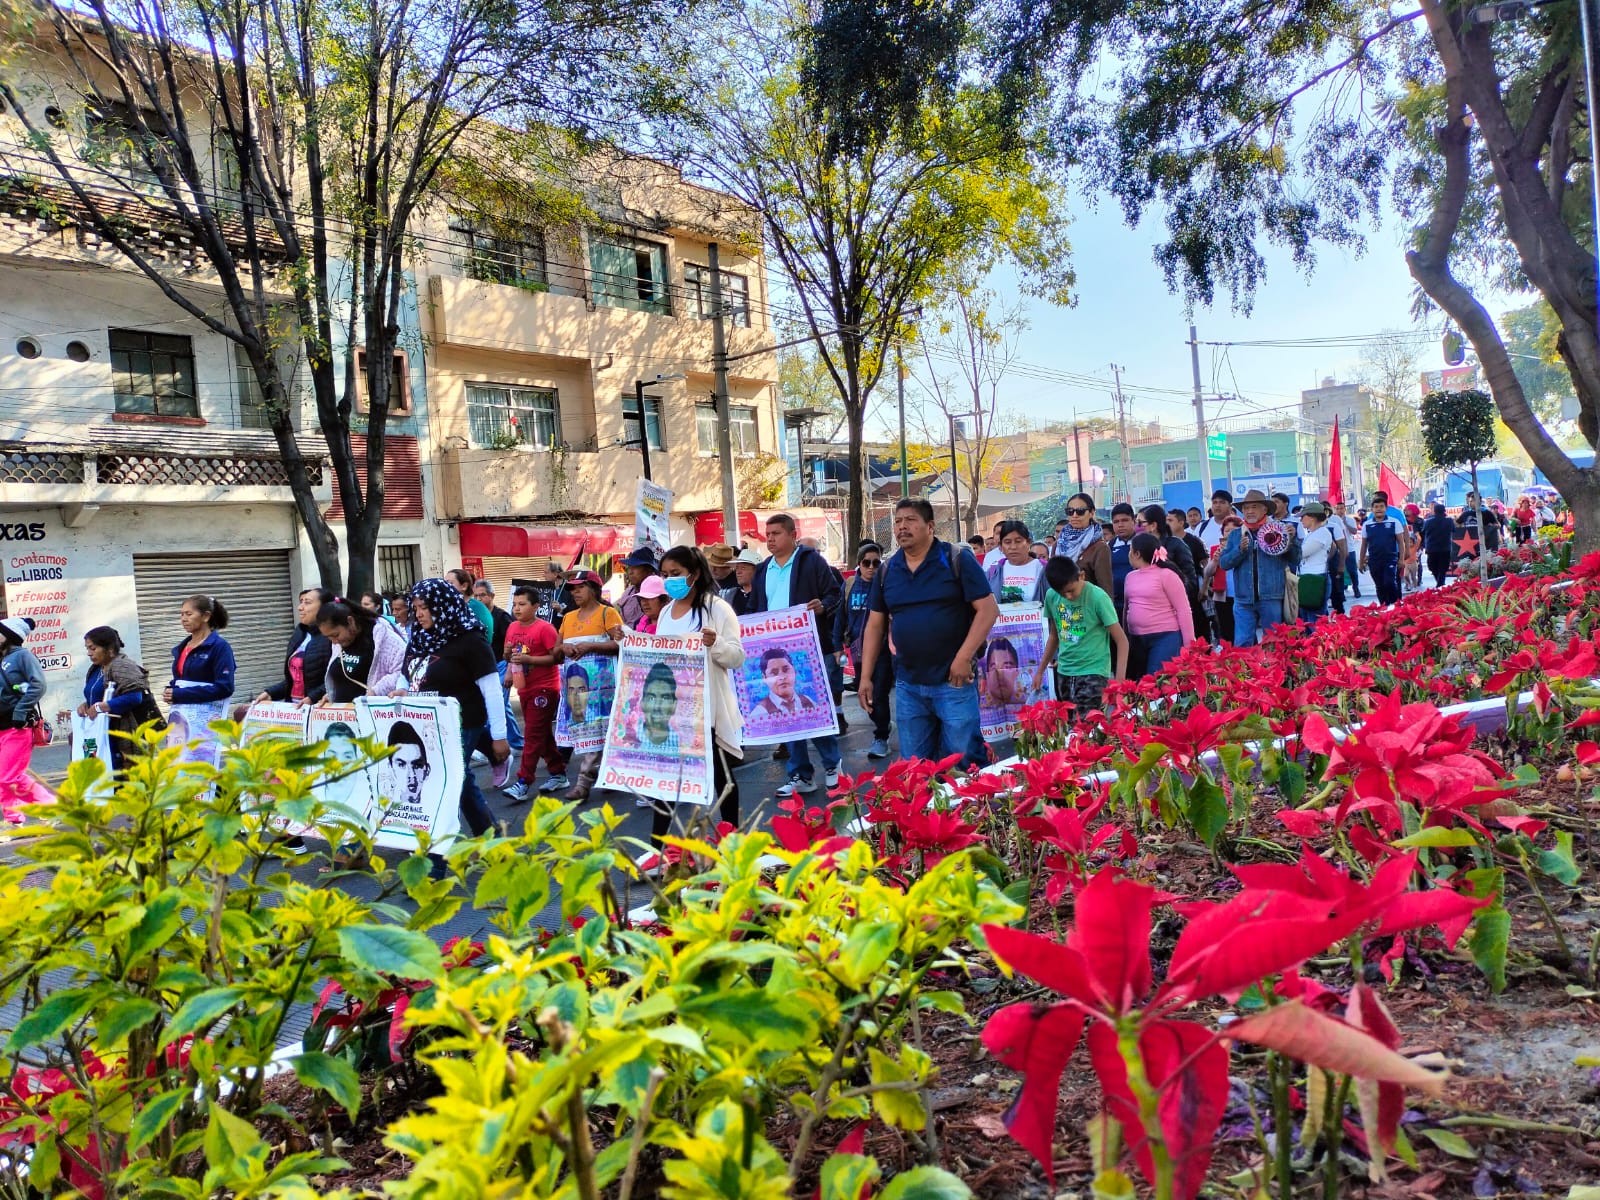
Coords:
pixel 832 778
pixel 796 785
pixel 479 759
pixel 516 791
pixel 556 783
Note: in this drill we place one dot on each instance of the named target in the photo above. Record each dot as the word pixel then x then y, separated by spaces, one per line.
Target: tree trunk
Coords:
pixel 861 476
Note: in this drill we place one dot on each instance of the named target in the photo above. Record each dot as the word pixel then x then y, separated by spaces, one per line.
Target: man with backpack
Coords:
pixel 935 603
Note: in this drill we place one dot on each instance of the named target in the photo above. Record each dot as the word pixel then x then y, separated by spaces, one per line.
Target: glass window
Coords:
pixel 503 416
pixel 513 255
pixel 153 373
pixel 1137 480
pixel 397 569
pixel 629 274
pixel 125 139
pixel 741 430
pixel 735 289
pixel 1174 470
pixel 630 422
pixel 253 410
pixel 1263 462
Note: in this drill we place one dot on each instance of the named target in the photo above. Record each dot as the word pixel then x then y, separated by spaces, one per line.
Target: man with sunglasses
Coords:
pixel 850 628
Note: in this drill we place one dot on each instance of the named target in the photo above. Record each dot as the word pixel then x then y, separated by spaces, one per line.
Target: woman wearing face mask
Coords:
pixel 1085 543
pixel 694 607
pixel 368 653
pixel 130 702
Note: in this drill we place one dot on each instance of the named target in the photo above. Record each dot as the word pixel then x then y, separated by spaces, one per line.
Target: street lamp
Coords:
pixel 644 425
pixel 955 478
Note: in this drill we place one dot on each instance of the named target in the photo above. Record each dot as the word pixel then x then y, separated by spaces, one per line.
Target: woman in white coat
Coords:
pixel 693 606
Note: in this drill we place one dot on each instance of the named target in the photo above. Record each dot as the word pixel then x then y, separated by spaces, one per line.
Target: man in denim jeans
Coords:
pixel 938 609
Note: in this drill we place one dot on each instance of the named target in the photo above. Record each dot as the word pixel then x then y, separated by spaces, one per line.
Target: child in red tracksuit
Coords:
pixel 531 669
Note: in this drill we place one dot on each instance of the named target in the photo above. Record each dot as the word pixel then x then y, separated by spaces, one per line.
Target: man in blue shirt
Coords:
pixel 1384 538
pixel 797 575
pixel 937 608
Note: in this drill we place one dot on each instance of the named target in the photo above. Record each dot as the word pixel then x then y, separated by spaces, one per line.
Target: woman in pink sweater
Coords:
pixel 1159 620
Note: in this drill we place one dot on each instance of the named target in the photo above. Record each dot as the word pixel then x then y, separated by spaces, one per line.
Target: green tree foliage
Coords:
pixel 1250 123
pixel 1532 334
pixel 860 238
pixel 1458 428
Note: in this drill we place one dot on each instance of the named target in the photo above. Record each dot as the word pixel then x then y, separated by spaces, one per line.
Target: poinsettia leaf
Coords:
pixel 1255 935
pixel 1193 1099
pixel 1037 1041
pixel 1381 1104
pixel 1111 929
pixel 1041 960
pixel 1309 1037
pixel 1448 909
pixel 1491 943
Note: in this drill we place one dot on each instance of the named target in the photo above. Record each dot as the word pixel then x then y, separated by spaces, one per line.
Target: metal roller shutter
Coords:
pixel 253 585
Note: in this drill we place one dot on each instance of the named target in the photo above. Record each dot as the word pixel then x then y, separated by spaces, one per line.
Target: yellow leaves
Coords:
pixel 897 1096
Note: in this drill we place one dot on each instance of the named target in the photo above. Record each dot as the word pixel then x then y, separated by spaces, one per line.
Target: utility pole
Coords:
pixel 1122 434
pixel 644 428
pixel 719 366
pixel 900 384
pixel 1200 418
pixel 955 483
pixel 1077 442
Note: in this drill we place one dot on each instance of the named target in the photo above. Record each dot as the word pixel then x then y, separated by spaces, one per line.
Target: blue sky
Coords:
pixel 1126 315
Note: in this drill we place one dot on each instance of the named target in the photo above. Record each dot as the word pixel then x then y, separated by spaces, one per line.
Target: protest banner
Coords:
pixel 419 785
pixel 783 688
pixel 650 525
pixel 588 685
pixel 1005 669
pixel 657 743
pixel 188 725
pixel 273 718
pixel 349 785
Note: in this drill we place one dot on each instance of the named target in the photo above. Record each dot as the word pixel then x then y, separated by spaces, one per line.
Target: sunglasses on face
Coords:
pixel 1077 512
pixel 870 562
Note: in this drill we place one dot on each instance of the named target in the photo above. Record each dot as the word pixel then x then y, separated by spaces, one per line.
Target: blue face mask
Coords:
pixel 677 586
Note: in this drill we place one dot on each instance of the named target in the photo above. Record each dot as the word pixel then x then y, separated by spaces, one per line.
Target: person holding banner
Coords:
pixel 798 576
pixel 368 653
pixel 1016 577
pixel 592 627
pixel 305 663
pixel 532 672
pixel 695 607
pixel 450 655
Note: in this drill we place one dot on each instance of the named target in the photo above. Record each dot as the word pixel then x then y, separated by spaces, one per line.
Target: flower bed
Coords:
pixel 1235 934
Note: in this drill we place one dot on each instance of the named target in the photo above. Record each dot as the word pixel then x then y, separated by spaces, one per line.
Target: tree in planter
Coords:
pixel 293 144
pixel 861 237
pixel 1458 429
pixel 1478 128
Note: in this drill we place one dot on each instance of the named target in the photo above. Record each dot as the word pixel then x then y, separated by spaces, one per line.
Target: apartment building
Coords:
pixel 1168 472
pixel 544 344
pixel 136 466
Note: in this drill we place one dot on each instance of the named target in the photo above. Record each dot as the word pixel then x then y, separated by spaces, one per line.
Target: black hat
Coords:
pixel 642 557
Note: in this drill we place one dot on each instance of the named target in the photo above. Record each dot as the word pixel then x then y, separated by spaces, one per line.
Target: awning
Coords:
pixel 537 541
pixel 809 522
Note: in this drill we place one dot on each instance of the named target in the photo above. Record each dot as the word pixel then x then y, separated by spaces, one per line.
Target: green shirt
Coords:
pixel 1083 647
pixel 481 611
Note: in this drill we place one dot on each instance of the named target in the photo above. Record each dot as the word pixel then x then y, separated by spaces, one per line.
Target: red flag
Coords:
pixel 1391 484
pixel 1336 468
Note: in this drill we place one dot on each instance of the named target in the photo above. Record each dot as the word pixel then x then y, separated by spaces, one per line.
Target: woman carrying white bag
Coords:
pixel 118 690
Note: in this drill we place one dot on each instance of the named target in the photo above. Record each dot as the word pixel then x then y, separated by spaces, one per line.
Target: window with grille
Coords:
pixel 630 422
pixel 735 293
pixel 397 569
pixel 153 373
pixel 512 254
pixel 1174 470
pixel 741 430
pixel 399 384
pixel 1263 462
pixel 506 416
pixel 630 274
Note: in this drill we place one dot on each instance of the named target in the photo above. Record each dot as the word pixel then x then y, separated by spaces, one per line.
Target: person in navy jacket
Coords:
pixel 202 664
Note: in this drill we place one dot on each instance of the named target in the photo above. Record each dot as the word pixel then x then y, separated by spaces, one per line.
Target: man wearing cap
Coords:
pixel 741 595
pixel 721 558
pixel 636 568
pixel 1384 537
pixel 793 577
pixel 1259 554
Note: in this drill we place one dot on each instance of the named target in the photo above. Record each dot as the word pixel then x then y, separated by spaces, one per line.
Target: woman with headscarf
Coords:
pixel 1083 541
pixel 449 655
pixel 22 679
pixel 696 608
pixel 368 654
pixel 117 686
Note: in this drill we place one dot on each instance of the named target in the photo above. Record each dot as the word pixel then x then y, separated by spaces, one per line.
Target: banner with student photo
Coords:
pixel 650 524
pixel 1006 666
pixel 657 743
pixel 588 684
pixel 419 785
pixel 273 718
pixel 783 688
pixel 349 781
pixel 189 726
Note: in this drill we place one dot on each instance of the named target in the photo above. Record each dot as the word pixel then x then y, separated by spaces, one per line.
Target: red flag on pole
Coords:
pixel 1396 488
pixel 1336 468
